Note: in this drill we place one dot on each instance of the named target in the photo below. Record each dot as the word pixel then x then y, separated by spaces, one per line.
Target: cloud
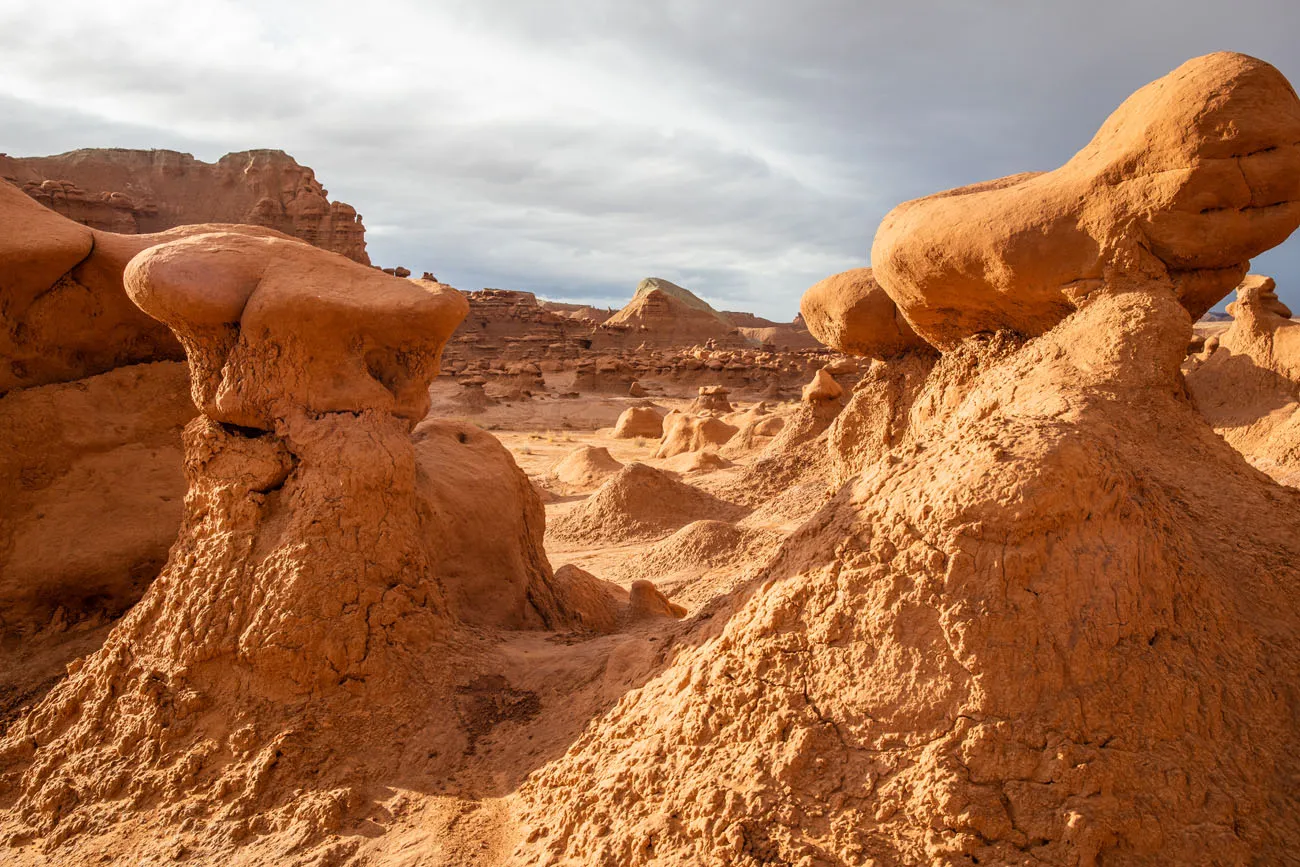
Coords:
pixel 573 147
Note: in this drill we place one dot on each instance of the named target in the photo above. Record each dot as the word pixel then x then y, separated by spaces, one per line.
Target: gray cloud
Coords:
pixel 572 147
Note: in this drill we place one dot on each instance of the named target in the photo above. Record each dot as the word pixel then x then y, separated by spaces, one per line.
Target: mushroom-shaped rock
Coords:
pixel 269 324
pixel 684 432
pixel 1245 381
pixel 1192 176
pixel 639 421
pixel 852 313
pixel 1257 306
pixel 711 398
pixel 822 388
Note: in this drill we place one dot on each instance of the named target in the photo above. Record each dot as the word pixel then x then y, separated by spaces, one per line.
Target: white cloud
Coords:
pixel 575 146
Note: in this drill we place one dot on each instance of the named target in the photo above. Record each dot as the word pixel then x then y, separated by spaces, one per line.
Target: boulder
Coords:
pixel 1191 177
pixel 639 421
pixel 851 312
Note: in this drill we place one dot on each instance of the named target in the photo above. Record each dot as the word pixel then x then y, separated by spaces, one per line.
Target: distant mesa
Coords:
pixel 669 314
pixel 135 192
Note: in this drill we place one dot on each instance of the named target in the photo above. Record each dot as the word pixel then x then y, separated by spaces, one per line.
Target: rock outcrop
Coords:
pixel 639 421
pixel 1247 385
pixel 147 191
pixel 665 314
pixel 1190 178
pixel 687 432
pixel 850 312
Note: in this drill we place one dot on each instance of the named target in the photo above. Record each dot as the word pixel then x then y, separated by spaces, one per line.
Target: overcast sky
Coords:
pixel 744 149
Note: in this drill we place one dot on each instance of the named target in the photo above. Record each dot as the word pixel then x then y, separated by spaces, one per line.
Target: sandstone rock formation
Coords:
pixel 1191 177
pixel 605 607
pixel 1050 621
pixel 852 313
pixel 687 432
pixel 91 481
pixel 466 481
pixel 639 421
pixel 711 399
pixel 323 568
pixel 988 648
pixel 144 192
pixel 1247 382
pixel 822 389
pixel 662 313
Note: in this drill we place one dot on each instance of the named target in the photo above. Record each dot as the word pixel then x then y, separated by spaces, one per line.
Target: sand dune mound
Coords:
pixel 707 544
pixel 638 503
pixel 586 466
pixel 696 462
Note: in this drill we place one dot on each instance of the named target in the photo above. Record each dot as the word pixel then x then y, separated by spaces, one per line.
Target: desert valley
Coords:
pixel 990 555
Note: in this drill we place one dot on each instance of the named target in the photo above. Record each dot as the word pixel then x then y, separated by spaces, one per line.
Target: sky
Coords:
pixel 742 149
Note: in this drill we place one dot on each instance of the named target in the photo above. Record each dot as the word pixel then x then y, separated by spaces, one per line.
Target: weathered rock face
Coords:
pixel 505 326
pixel 92 486
pixel 91 475
pixel 148 191
pixel 685 432
pixel 1248 385
pixel 1191 177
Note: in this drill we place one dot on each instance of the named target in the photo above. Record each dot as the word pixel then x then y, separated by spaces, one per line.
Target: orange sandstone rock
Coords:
pixel 1189 178
pixel 852 313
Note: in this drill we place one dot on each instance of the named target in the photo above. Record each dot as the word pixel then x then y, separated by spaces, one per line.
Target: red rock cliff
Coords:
pixel 142 191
